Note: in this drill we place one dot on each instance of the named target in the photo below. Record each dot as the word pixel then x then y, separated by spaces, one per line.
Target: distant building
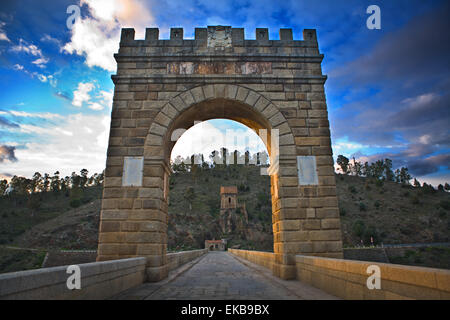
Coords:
pixel 228 197
pixel 216 245
pixel 233 215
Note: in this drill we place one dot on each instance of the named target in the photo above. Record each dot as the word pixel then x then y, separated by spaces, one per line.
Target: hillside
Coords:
pixel 389 212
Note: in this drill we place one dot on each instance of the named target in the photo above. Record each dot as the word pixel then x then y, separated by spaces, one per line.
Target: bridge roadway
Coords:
pixel 220 275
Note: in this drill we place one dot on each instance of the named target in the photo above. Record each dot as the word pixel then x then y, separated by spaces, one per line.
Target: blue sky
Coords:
pixel 387 91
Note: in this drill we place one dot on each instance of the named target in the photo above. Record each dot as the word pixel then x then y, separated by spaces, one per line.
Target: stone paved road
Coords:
pixel 220 275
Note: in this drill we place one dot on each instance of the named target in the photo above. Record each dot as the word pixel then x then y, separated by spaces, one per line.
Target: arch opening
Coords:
pixel 235 217
pixel 217 109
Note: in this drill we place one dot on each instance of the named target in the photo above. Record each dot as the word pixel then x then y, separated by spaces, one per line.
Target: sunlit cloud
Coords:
pixel 3 36
pixel 96 37
pixel 81 95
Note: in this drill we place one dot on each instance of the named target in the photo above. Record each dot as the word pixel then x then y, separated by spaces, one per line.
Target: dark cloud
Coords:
pixel 5 175
pixel 417 158
pixel 8 124
pixel 419 51
pixel 7 153
pixel 398 95
pixel 429 165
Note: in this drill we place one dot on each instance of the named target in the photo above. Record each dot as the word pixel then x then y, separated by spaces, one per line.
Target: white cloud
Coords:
pixel 95 106
pixel 346 147
pixel 37 75
pixel 49 38
pixel 23 46
pixel 3 36
pixel 41 77
pixel 40 62
pixel 41 115
pixel 33 50
pixel 53 82
pixel 77 141
pixel 421 100
pixel 97 37
pixel 18 67
pixel 107 98
pixel 81 95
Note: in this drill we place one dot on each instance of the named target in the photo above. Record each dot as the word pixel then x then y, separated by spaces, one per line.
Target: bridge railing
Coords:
pixel 98 280
pixel 177 259
pixel 350 279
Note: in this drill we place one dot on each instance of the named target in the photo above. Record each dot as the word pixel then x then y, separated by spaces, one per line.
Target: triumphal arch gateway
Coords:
pixel 165 85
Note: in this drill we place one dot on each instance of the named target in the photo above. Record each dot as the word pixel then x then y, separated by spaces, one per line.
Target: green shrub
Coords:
pixel 415 199
pixel 377 204
pixel 362 206
pixel 358 228
pixel 352 189
pixel 445 204
pixel 75 203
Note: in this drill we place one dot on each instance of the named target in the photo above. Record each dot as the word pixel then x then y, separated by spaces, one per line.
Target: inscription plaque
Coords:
pixel 307 170
pixel 132 171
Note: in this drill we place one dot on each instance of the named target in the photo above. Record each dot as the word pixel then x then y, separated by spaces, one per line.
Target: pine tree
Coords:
pixel 416 183
pixel 343 162
pixel 3 187
pixel 388 173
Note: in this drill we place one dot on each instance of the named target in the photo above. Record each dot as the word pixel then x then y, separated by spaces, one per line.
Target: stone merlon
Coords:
pixel 236 36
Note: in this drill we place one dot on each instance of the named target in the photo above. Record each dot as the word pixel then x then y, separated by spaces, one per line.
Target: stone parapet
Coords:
pixel 347 279
pixel 177 259
pixel 99 280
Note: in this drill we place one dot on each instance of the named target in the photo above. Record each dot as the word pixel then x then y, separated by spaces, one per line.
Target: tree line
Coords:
pixel 47 183
pixel 382 170
pixel 33 189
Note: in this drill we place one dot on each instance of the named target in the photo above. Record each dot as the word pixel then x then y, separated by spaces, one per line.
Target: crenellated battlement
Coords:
pixel 219 37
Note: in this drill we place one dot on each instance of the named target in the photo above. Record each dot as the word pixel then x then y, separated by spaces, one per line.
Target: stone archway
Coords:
pixel 158 92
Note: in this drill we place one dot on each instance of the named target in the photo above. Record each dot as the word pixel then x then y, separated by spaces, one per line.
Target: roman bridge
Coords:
pixel 276 88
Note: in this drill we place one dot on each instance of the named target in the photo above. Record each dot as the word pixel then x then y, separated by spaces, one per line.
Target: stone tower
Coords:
pixel 228 198
pixel 275 87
